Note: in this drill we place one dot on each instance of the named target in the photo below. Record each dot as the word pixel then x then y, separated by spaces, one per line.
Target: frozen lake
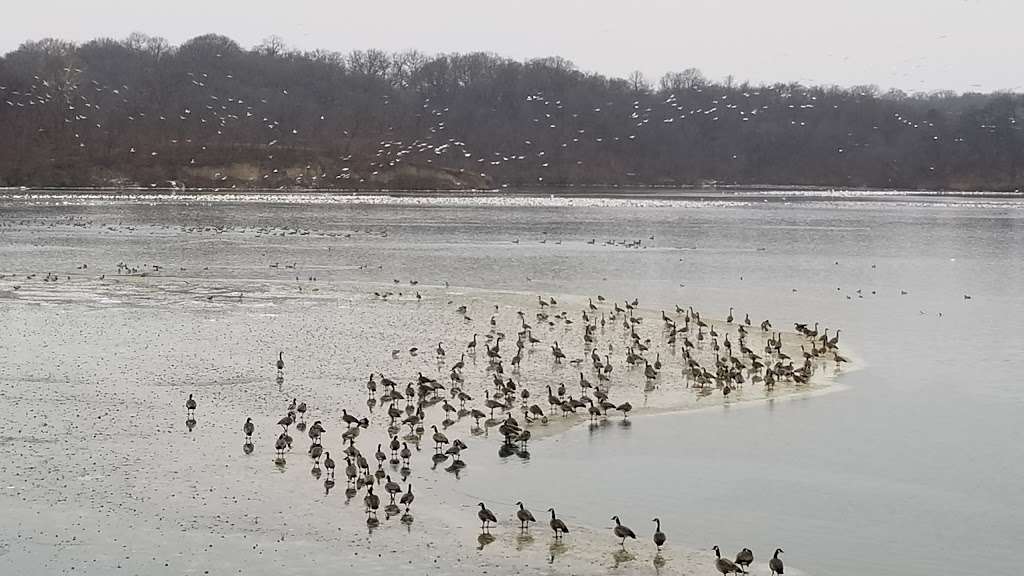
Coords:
pixel 909 464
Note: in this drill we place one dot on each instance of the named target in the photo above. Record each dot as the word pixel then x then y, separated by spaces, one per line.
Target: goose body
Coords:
pixel 659 536
pixel 745 558
pixel 775 564
pixel 724 565
pixel 524 516
pixel 557 526
pixel 486 517
pixel 622 531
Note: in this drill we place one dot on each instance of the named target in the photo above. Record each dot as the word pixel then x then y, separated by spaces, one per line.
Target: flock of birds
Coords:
pixel 424 403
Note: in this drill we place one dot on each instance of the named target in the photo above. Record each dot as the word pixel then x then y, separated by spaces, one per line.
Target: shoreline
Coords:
pixel 596 191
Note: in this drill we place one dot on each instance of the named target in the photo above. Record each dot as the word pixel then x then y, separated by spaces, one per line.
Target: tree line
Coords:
pixel 142 112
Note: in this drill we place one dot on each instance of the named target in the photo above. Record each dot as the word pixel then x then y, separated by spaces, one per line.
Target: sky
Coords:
pixel 913 45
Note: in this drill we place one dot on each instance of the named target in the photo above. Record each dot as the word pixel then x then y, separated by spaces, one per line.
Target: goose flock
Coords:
pixel 687 347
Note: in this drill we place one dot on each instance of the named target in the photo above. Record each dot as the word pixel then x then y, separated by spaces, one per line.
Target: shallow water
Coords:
pixel 912 466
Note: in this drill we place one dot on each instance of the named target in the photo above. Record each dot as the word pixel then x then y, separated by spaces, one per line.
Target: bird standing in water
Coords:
pixel 557 525
pixel 486 517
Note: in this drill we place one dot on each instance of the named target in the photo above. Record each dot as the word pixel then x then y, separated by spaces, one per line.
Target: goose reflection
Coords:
pixel 483 540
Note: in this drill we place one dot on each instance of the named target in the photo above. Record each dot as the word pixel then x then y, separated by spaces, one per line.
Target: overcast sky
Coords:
pixel 910 44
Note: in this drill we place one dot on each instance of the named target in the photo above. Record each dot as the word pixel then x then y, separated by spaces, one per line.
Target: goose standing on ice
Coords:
pixel 724 565
pixel 745 558
pixel 776 563
pixel 190 406
pixel 557 525
pixel 486 517
pixel 659 536
pixel 524 516
pixel 248 428
pixel 280 361
pixel 622 531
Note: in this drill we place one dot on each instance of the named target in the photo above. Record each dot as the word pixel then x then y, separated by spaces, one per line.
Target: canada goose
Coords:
pixel 524 516
pixel 557 526
pixel 248 428
pixel 316 431
pixel 625 408
pixel 724 565
pixel 745 558
pixel 486 517
pixel 329 464
pixel 392 488
pixel 776 563
pixel 372 502
pixel 622 531
pixel 347 418
pixel 407 498
pixel 190 406
pixel 280 361
pixel 439 439
pixel 659 536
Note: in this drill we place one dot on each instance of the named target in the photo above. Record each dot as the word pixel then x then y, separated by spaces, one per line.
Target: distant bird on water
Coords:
pixel 280 361
pixel 248 428
pixel 190 406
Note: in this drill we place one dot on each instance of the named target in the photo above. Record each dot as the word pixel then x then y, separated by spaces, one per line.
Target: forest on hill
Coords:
pixel 211 113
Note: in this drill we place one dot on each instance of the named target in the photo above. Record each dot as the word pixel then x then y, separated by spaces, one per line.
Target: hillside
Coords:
pixel 210 113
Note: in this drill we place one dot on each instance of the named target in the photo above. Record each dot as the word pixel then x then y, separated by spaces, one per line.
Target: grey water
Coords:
pixel 912 466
